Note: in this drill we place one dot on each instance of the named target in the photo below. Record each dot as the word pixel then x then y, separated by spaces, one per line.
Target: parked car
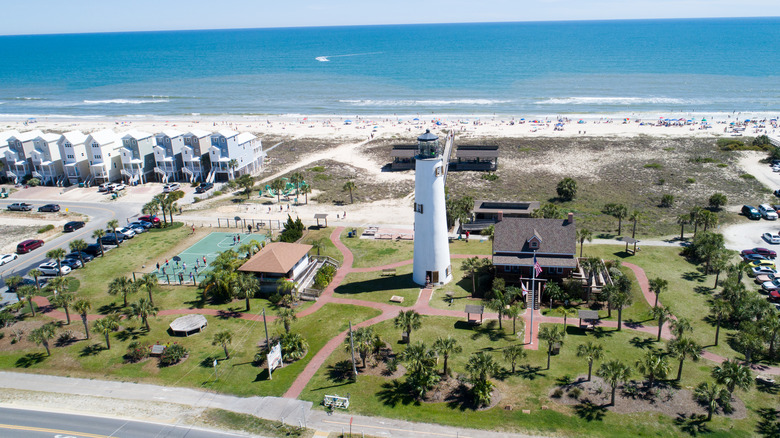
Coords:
pixel 127 232
pixel 774 295
pixel 767 212
pixel 28 245
pixel 107 187
pixel 763 278
pixel 73 226
pixel 763 262
pixel 777 193
pixel 93 249
pixel 118 187
pixel 152 219
pixel 50 268
pixel 143 224
pixel 204 187
pixel 20 206
pixel 751 257
pixel 72 263
pixel 762 270
pixel 7 258
pixel 51 208
pixel 751 212
pixel 766 252
pixel 137 228
pixel 768 286
pixel 171 187
pixel 112 239
pixel 80 255
pixel 26 281
pixel 774 239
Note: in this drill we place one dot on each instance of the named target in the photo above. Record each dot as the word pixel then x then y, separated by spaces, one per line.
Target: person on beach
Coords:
pixel 184 265
pixel 193 229
pixel 204 261
pixel 234 240
pixel 158 266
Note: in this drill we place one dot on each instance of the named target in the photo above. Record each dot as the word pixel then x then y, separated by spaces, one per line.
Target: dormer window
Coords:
pixel 533 244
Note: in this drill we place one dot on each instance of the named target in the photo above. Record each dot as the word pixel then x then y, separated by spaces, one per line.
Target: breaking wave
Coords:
pixel 124 101
pixel 612 101
pixel 396 103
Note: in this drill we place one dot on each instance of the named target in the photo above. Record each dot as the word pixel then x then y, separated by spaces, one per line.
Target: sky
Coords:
pixel 84 16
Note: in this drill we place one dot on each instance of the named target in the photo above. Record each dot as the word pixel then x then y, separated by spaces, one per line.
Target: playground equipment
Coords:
pixel 288 190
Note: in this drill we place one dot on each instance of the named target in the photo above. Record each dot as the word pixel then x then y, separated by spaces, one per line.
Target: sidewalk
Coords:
pixel 290 411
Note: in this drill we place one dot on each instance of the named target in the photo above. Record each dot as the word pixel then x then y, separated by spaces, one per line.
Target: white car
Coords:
pixel 762 270
pixel 119 187
pixel 50 268
pixel 171 187
pixel 774 239
pixel 767 212
pixel 127 232
pixel 7 258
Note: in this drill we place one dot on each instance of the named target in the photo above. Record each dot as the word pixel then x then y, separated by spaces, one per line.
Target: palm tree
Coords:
pixel 363 339
pixel 661 314
pixel 159 203
pixel 551 335
pixel 305 190
pixel 232 164
pixel 349 185
pixel 122 286
pixel 407 321
pixel 170 201
pixel 684 348
pixel 63 300
pixel 708 219
pixel 472 265
pixel 446 347
pixel 106 326
pixel 223 338
pixel 277 185
pixel 619 212
pixel 35 273
pixel 27 292
pixel 490 231
pixel 41 336
pixel 733 375
pixel 770 326
pixel 14 281
pixel 246 285
pixel 584 234
pixel 590 352
pixel 614 372
pixel 114 224
pixel 653 365
pixel 513 354
pixel 296 178
pixel 57 254
pixel 620 300
pixel 499 303
pixel 680 327
pixel 286 318
pixel 683 220
pixel 695 218
pixel 567 312
pixel 658 285
pixel 635 217
pixel 719 309
pixel 481 366
pixel 79 245
pixel 82 307
pixel 710 395
pixel 149 282
pixel 143 309
pixel 421 366
pixel 514 311
pixel 98 235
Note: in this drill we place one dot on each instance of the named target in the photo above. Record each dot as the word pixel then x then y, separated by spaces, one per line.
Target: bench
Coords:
pixel 336 401
pixel 397 299
pixel 388 271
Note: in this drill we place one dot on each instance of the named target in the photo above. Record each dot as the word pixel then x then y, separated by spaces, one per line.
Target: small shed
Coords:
pixel 188 324
pixel 590 316
pixel 475 309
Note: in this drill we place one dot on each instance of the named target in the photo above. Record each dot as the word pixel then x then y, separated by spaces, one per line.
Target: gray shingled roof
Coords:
pixel 528 260
pixel 558 236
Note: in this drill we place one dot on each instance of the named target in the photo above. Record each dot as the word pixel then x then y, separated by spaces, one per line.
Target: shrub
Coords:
pixel 172 355
pixel 566 189
pixel 653 166
pixel 667 200
pixel 275 299
pixel 293 230
pixel 718 200
pixel 46 228
pixel 218 193
pixel 489 176
pixel 317 169
pixel 690 181
pixel 575 393
pixel 33 182
pixel 294 346
pixel 661 181
pixel 702 160
pixel 137 352
pixel 324 276
pixel 558 393
pixel 392 365
pixel 747 176
pixel 723 165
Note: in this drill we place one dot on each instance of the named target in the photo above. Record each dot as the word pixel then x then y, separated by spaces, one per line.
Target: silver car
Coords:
pixel 50 268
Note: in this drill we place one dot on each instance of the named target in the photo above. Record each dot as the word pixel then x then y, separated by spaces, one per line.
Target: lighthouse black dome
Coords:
pixel 428 136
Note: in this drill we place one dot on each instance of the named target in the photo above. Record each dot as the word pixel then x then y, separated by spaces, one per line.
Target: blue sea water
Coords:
pixel 535 68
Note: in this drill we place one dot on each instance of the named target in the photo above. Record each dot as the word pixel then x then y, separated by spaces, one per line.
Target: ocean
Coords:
pixel 700 66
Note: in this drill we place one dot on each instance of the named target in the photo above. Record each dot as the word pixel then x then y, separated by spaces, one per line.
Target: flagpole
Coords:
pixel 533 298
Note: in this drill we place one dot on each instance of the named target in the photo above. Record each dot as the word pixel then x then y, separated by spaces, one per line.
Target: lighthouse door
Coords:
pixel 435 277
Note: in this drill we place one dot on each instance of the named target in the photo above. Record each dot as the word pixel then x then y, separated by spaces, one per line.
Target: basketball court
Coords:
pixel 190 261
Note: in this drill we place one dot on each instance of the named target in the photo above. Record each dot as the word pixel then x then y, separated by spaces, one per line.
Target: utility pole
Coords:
pixel 352 349
pixel 265 324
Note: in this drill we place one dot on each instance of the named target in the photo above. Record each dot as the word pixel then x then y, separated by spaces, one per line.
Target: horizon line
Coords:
pixel 388 24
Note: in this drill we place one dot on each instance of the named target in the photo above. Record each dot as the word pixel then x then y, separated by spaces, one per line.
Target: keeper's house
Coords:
pixel 279 260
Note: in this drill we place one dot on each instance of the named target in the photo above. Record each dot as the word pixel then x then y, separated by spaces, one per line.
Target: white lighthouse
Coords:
pixel 431 247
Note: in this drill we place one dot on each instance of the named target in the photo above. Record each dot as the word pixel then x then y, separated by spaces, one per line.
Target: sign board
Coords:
pixel 275 357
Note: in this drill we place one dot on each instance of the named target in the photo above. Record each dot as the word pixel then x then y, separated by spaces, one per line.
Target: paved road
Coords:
pixel 99 213
pixel 19 423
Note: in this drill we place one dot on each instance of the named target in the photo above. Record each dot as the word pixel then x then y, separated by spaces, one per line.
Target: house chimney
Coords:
pixel 500 216
pixel 571 218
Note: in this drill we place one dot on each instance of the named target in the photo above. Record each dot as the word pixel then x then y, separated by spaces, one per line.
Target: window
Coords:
pixel 418 208
pixel 98 157
pixel 533 244
pixel 439 171
pixel 553 270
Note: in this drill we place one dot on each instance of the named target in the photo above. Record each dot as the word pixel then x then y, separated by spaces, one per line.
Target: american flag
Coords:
pixel 537 268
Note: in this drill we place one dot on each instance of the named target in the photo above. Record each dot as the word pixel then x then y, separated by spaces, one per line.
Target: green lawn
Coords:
pixel 322 235
pixel 373 286
pixel 459 287
pixel 370 252
pixel 527 389
pixel 237 375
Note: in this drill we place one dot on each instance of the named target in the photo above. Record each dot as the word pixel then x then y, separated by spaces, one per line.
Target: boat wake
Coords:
pixel 326 58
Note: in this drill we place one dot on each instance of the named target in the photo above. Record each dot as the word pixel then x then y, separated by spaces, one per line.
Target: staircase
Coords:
pixel 90 179
pixel 37 174
pixel 211 176
pixel 60 181
pixel 307 278
pixel 185 170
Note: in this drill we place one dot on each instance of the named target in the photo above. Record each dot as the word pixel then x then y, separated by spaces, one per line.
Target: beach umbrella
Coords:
pixel 703 120
pixel 416 119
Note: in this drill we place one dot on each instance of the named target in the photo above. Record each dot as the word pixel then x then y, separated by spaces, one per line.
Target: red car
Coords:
pixel 774 296
pixel 768 253
pixel 154 220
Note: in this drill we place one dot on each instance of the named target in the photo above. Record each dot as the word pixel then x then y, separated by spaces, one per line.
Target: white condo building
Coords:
pixel 167 155
pixel 17 157
pixel 233 154
pixel 105 161
pixel 75 161
pixel 431 264
pixel 46 159
pixel 196 144
pixel 8 159
pixel 137 156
